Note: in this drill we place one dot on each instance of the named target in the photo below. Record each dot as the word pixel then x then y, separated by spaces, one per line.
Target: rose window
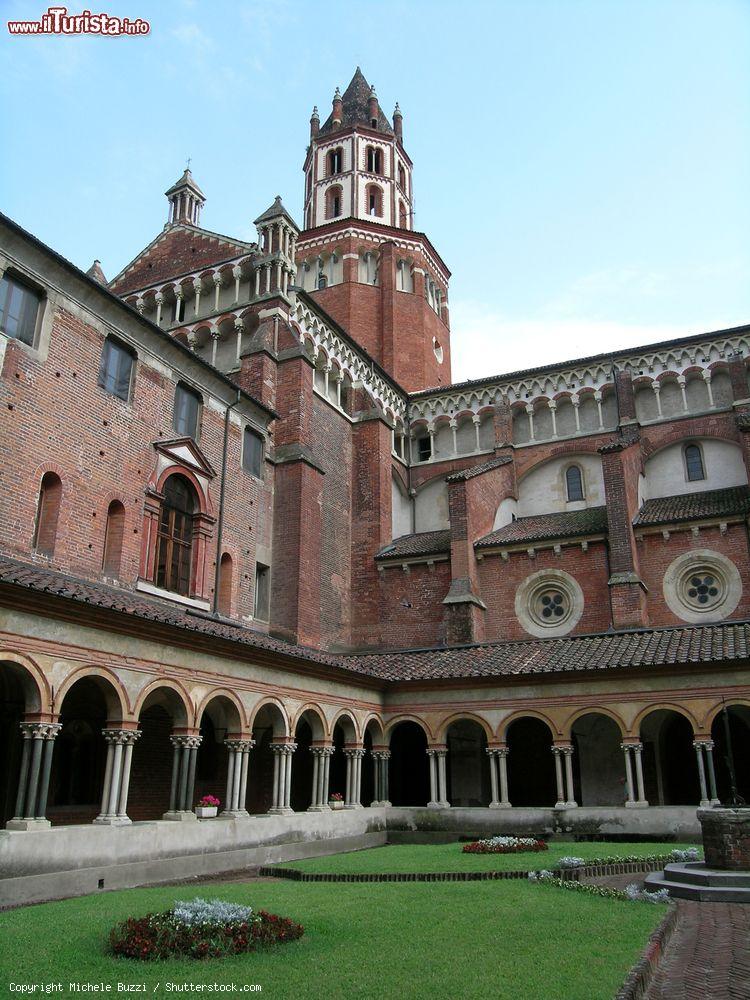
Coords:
pixel 552 606
pixel 702 588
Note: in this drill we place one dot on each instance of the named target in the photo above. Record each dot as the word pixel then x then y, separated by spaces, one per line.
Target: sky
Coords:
pixel 582 166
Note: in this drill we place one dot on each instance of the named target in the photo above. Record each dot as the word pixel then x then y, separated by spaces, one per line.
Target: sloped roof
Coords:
pixel 477 470
pixel 355 107
pixel 539 527
pixel 732 501
pixel 275 211
pixel 186 181
pixel 423 543
pixel 178 249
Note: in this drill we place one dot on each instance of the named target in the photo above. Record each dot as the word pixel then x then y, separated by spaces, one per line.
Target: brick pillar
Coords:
pixel 371 523
pixel 621 462
pixel 298 487
pixel 502 419
pixel 625 396
pixel 387 306
pixel 738 380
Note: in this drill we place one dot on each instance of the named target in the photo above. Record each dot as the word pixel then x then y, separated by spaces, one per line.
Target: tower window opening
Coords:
pixel 335 161
pixel 262 602
pixel 424 448
pixel 401 178
pixel 374 200
pixel 374 160
pixel 333 202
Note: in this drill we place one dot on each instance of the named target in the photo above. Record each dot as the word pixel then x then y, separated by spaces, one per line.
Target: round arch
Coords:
pixel 348 724
pixel 232 712
pixel 598 763
pixel 398 719
pixel 526 713
pixel 667 707
pixel 315 717
pixel 36 690
pixel 115 695
pixel 467 717
pixel 531 767
pixel 567 726
pixel 468 765
pixel 272 712
pixel 669 762
pixel 177 698
pixel 409 775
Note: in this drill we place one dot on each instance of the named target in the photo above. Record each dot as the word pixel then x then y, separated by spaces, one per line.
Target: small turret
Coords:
pixel 373 109
pixel 398 122
pixel 338 109
pixel 314 122
pixel 185 201
pixel 95 272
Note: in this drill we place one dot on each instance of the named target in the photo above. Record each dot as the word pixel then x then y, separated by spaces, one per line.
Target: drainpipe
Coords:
pixel 220 526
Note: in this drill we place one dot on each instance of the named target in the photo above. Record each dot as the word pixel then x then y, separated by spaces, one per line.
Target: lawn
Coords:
pixel 498 940
pixel 450 858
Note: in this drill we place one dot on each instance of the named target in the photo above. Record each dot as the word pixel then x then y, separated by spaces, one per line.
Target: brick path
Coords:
pixel 708 956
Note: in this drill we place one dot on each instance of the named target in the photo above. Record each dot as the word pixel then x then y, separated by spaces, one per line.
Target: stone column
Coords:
pixel 116 776
pixel 33 780
pixel 502 759
pixel 353 777
pixel 434 792
pixel 637 749
pixel 237 765
pixel 709 748
pixel 570 802
pixel 698 747
pixel 319 802
pixel 381 758
pixel 442 778
pixel 560 804
pixel 181 792
pixel 492 754
pixel 282 775
pixel 630 801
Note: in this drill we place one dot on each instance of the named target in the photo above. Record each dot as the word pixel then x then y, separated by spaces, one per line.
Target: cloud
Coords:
pixel 194 37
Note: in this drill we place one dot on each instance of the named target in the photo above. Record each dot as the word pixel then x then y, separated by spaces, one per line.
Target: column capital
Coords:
pixel 381 754
pixel 283 748
pixel 40 730
pixel 189 742
pixel 631 746
pixel 354 752
pixel 239 745
pixel 703 743
pixel 121 736
pixel 323 751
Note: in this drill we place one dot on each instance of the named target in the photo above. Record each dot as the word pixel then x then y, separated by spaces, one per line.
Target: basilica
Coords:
pixel 256 544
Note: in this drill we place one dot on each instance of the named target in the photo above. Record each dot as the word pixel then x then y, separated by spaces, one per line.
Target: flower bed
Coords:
pixel 201 929
pixel 631 892
pixel 504 845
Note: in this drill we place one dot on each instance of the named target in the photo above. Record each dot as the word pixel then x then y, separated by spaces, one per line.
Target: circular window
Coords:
pixel 549 603
pixel 438 350
pixel 702 586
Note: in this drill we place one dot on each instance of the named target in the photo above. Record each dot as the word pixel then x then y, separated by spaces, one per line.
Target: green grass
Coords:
pixel 450 858
pixel 495 940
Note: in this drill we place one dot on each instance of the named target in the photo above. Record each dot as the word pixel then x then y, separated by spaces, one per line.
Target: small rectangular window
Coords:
pixel 262 592
pixel 424 449
pixel 116 370
pixel 187 407
pixel 19 308
pixel 252 453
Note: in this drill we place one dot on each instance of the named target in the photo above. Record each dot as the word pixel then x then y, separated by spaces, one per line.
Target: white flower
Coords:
pixel 200 912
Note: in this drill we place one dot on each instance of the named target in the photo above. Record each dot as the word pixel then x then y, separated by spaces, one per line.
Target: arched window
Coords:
pixel 335 161
pixel 225 586
pixel 374 198
pixel 333 202
pixel 374 160
pixel 574 483
pixel 694 463
pixel 187 409
pixel 113 538
pixel 174 547
pixel 48 513
pixel 401 177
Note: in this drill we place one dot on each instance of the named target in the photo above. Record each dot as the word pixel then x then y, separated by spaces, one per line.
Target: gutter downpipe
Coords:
pixel 220 526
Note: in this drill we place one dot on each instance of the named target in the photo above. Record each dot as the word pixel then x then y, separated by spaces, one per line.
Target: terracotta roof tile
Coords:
pixel 733 501
pixel 477 470
pixel 356 108
pixel 544 527
pixel 423 543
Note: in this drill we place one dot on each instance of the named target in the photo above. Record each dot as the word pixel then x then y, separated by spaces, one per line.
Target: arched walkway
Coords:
pixel 598 763
pixel 18 696
pixel 409 774
pixel 269 723
pixel 669 765
pixel 531 766
pixel 162 711
pixel 739 736
pixel 468 764
pixel 219 721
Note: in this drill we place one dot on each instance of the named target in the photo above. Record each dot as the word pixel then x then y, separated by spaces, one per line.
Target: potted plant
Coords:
pixel 336 800
pixel 207 807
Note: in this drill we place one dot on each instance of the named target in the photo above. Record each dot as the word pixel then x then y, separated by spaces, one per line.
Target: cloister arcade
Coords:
pixel 84 755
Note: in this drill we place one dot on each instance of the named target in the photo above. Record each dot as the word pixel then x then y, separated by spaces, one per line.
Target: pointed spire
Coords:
pixel 95 272
pixel 185 200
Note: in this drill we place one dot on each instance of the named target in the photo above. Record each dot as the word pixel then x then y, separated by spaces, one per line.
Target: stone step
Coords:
pixel 697 873
pixel 699 893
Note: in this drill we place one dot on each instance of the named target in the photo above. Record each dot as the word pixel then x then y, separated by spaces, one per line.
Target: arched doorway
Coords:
pixel 80 755
pixel 162 711
pixel 268 724
pixel 409 772
pixel 468 764
pixel 598 762
pixel 739 734
pixel 344 736
pixel 374 765
pixel 670 770
pixel 531 767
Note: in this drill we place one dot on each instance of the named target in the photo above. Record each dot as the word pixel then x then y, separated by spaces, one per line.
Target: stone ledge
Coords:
pixel 639 978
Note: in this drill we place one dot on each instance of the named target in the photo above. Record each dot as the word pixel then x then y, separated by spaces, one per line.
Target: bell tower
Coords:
pixel 359 254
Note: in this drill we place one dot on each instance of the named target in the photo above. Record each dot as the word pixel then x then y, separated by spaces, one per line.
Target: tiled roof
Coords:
pixel 733 501
pixel 356 108
pixel 275 211
pixel 697 644
pixel 540 527
pixel 423 543
pixel 652 648
pixel 477 470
